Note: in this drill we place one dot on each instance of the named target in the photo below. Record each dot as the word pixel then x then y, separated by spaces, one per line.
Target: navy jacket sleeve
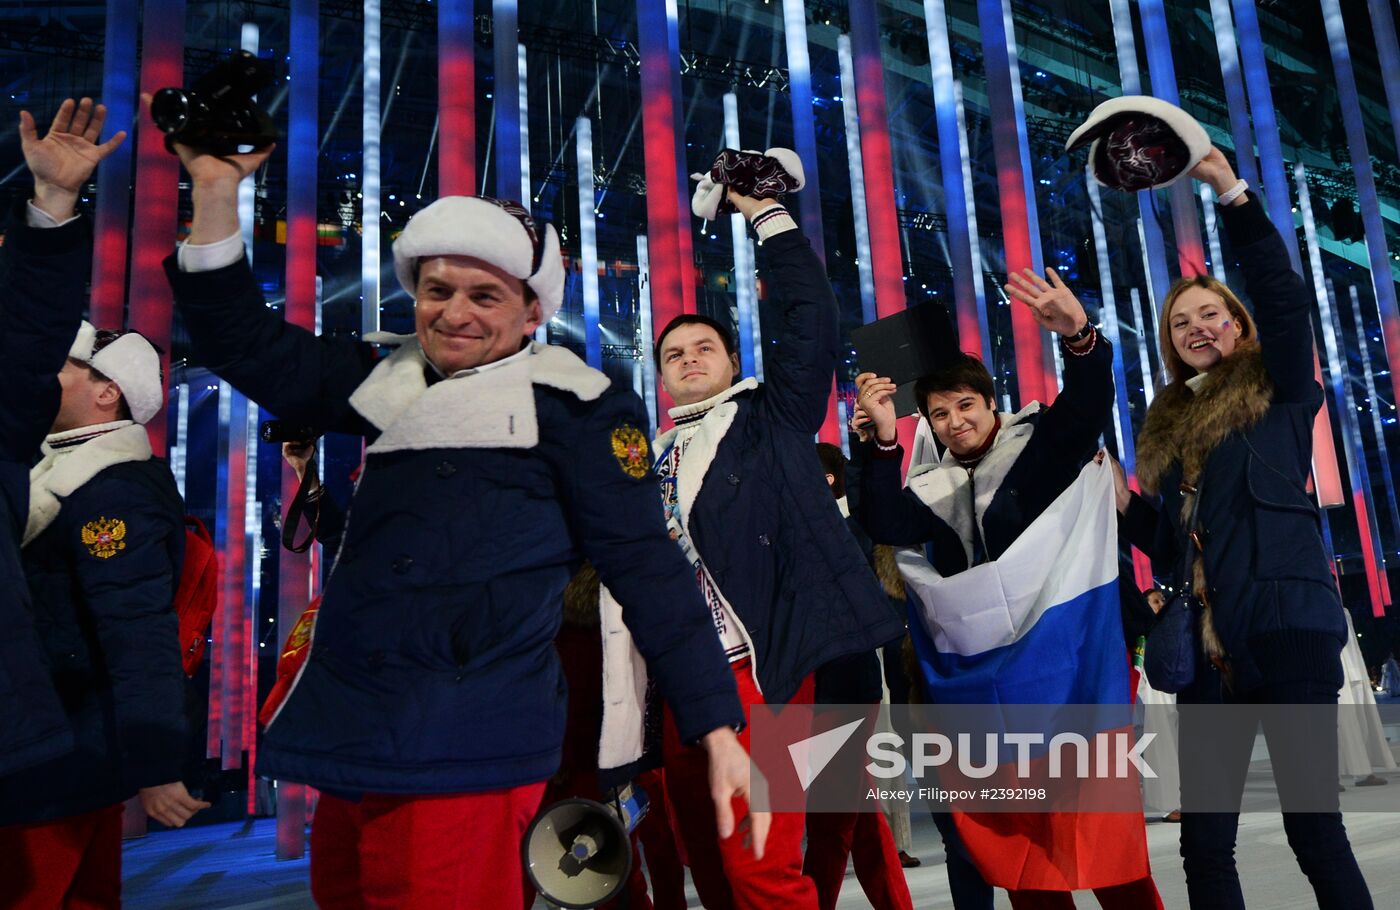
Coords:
pixel 889 512
pixel 798 370
pixel 1069 429
pixel 614 510
pixel 128 582
pixel 286 369
pixel 44 274
pixel 1282 301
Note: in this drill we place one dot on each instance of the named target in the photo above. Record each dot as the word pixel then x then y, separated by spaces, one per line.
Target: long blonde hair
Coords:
pixel 1176 367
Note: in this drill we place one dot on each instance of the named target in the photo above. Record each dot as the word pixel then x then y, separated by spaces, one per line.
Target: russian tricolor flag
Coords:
pixel 1038 626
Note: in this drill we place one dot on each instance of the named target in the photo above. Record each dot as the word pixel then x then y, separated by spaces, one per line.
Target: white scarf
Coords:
pixel 67 465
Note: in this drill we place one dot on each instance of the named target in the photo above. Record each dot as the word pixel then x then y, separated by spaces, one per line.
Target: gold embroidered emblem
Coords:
pixel 300 635
pixel 105 537
pixel 630 450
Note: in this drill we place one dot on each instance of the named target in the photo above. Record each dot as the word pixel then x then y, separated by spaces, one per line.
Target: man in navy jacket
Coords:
pixel 44 274
pixel 788 588
pixel 430 710
pixel 103 541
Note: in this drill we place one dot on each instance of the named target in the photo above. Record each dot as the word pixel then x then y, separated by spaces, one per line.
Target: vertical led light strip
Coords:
pixel 232 638
pixel 456 92
pixel 1236 100
pixel 804 120
pixel 303 117
pixel 685 236
pixel 369 177
pixel 108 300
pixel 979 284
pixel 588 240
pixel 505 34
pixel 1154 252
pixel 1034 381
pixel 1145 341
pixel 1341 392
pixel 523 98
pixel 972 316
pixel 1191 257
pixel 668 270
pixel 248 186
pixel 1123 425
pixel 1381 278
pixel 157 174
pixel 180 451
pixel 1367 539
pixel 1217 258
pixel 1377 424
pixel 1023 143
pixel 877 167
pixel 1272 169
pixel 1383 27
pixel 644 325
pixel 745 284
pixel 865 270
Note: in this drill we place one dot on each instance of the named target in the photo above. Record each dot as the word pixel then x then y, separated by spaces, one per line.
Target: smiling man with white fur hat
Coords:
pixel 430 710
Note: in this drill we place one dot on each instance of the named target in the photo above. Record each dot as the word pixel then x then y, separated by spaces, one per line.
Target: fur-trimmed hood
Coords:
pixel 1185 426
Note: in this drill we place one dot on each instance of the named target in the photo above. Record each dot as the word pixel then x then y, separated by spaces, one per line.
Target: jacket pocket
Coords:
pixel 1287 530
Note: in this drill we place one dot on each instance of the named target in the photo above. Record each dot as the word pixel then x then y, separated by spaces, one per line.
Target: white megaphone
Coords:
pixel 578 853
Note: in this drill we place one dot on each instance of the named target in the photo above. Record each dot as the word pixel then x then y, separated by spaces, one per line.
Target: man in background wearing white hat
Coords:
pixel 102 552
pixel 430 710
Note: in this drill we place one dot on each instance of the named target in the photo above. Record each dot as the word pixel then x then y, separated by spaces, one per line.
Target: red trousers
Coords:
pixel 725 873
pixel 72 863
pixel 455 852
pixel 865 838
pixel 1139 895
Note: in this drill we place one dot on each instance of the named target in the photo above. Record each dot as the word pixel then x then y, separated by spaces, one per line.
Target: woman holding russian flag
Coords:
pixel 999 473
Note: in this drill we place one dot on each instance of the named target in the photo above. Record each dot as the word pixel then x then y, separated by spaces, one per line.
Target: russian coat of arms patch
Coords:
pixel 105 537
pixel 630 449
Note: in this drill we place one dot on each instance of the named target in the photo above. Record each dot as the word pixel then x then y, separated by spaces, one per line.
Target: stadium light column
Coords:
pixel 369 176
pixel 588 242
pixel 505 35
pixel 877 167
pixel 971 312
pixel 157 174
pixel 1123 418
pixel 1377 422
pixel 1381 276
pixel 745 285
pixel 1341 395
pixel 865 272
pixel 109 251
pixel 1035 382
pixel 456 87
pixel 670 268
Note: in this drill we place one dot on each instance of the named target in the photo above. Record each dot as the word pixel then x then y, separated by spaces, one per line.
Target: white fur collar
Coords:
pixel 942 486
pixel 490 409
pixel 62 471
pixel 700 453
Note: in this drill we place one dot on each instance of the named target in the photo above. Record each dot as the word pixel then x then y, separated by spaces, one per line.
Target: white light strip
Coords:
pixel 369 179
pixel 247 187
pixel 252 514
pixel 179 451
pixel 644 325
pixel 1217 259
pixel 979 286
pixel 745 280
pixel 864 266
pixel 1144 342
pixel 1108 315
pixel 524 97
pixel 588 240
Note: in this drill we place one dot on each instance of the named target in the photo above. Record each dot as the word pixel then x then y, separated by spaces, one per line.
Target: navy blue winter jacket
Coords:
pixel 432 667
pixel 764 520
pixel 104 613
pixel 43 273
pixel 1274 601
